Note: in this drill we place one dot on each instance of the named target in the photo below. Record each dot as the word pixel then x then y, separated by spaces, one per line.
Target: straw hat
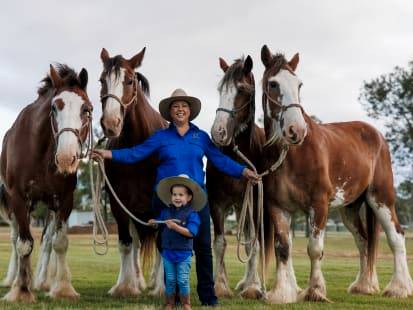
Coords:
pixel 199 198
pixel 179 95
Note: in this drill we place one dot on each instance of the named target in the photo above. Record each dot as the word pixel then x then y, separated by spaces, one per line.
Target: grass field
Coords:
pixel 94 275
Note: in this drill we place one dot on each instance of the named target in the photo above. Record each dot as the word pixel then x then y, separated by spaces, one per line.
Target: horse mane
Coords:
pixel 69 76
pixel 233 73
pixel 143 82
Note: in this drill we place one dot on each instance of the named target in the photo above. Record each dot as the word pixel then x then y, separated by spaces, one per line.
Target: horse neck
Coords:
pixel 41 123
pixel 140 121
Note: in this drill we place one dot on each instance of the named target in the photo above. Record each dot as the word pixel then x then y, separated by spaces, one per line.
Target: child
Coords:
pixel 183 197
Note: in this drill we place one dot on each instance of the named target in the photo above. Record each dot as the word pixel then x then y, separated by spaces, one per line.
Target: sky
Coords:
pixel 341 44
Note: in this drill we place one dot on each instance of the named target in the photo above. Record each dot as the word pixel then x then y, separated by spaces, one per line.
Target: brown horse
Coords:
pixel 234 125
pixel 39 160
pixel 127 120
pixel 338 165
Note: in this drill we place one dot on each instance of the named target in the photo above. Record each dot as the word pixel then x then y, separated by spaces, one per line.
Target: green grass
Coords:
pixel 94 275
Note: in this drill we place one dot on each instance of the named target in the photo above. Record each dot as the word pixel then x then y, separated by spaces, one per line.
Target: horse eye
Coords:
pixel 273 84
pixel 85 110
pixel 101 80
pixel 54 109
pixel 129 82
pixel 299 86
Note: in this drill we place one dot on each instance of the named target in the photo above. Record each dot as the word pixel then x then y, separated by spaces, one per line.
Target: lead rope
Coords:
pixel 98 222
pixel 248 205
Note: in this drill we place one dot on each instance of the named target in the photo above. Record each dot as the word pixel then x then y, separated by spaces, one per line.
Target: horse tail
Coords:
pixel 372 237
pixel 147 238
pixel 268 238
pixel 4 209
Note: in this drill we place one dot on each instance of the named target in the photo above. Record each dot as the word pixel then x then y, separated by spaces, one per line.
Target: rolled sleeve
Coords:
pixel 193 223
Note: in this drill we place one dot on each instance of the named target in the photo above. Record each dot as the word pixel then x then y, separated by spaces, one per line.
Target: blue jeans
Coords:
pixel 203 254
pixel 177 274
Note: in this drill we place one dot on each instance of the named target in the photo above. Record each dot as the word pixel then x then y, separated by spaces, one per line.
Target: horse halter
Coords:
pixel 76 132
pixel 232 113
pixel 124 105
pixel 283 108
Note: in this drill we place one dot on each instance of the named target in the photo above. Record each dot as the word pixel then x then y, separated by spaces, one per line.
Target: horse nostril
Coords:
pixel 73 160
pixel 56 160
pixel 118 122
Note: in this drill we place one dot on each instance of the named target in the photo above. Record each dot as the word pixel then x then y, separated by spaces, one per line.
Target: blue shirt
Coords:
pixel 180 154
pixel 192 224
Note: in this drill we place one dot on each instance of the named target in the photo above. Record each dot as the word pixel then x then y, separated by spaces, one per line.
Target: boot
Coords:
pixel 170 302
pixel 185 302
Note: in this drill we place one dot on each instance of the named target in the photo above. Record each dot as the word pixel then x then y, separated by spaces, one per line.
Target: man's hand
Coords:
pixel 250 175
pixel 105 154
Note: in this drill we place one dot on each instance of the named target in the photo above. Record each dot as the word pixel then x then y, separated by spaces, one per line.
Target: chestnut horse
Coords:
pixel 39 160
pixel 234 125
pixel 327 166
pixel 127 120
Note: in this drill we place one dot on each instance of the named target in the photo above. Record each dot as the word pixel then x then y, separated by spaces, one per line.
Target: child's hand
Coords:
pixel 171 224
pixel 152 222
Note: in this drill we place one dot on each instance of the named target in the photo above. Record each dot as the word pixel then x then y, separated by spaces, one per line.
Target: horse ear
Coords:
pixel 104 55
pixel 57 81
pixel 223 64
pixel 136 60
pixel 294 61
pixel 247 65
pixel 266 56
pixel 83 78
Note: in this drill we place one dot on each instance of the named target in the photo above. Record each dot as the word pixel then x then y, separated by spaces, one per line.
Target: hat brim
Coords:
pixel 194 105
pixel 199 198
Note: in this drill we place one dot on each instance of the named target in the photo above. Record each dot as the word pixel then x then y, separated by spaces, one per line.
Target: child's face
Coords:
pixel 180 196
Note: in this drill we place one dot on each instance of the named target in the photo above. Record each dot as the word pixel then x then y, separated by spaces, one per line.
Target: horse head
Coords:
pixel 119 89
pixel 283 113
pixel 70 116
pixel 237 101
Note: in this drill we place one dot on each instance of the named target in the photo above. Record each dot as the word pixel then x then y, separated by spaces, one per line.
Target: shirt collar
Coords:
pixel 191 126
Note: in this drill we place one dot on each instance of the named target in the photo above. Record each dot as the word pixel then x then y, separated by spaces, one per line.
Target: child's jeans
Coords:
pixel 177 274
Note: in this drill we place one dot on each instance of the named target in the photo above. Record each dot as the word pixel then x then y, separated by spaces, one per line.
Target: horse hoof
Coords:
pixel 124 290
pixel 398 289
pixel 16 294
pixel 63 291
pixel 252 292
pixel 281 296
pixel 222 290
pixel 156 292
pixel 364 288
pixel 313 294
pixel 42 286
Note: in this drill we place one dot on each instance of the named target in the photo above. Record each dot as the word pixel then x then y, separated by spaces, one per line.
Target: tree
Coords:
pixel 389 98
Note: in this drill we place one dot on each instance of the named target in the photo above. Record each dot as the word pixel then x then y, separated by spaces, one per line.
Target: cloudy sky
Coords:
pixel 341 43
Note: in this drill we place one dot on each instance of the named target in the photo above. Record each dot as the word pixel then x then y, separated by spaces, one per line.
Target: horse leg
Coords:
pixel 317 288
pixel 20 290
pixel 401 284
pixel 221 287
pixel 62 287
pixel 285 288
pixel 250 285
pixel 136 256
pixel 157 277
pixel 366 281
pixel 41 280
pixel 13 263
pixel 127 283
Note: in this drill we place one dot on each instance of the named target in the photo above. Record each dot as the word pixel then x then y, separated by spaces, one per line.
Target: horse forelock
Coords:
pixel 69 76
pixel 278 61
